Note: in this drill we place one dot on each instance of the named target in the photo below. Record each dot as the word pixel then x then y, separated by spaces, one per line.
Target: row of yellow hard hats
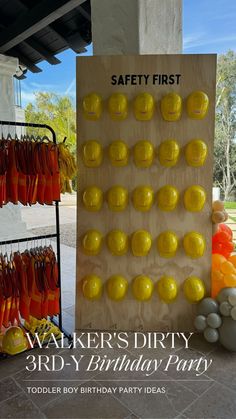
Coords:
pixel 143 152
pixel 141 241
pixel 142 288
pixel 143 198
pixel 171 106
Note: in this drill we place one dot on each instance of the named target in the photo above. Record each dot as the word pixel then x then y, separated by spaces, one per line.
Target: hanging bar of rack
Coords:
pixel 27 239
pixel 57 234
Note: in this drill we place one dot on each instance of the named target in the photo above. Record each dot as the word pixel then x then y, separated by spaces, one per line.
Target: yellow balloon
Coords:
pixel 141 242
pixel 168 153
pixel 118 106
pixel 118 153
pixel 92 153
pixel 142 288
pixel 92 242
pixel 143 154
pixel 167 289
pixel 196 153
pixel 92 106
pixel 194 289
pixel 194 244
pixel 93 198
pixel 171 107
pixel 167 244
pixel 92 287
pixel 143 198
pixel 117 242
pixel 117 198
pixel 167 198
pixel 117 287
pixel 197 105
pixel 194 198
pixel 144 107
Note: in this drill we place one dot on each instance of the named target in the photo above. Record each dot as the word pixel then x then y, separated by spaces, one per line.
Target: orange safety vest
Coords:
pixel 33 176
pixel 36 297
pixel 39 167
pixel 52 279
pixel 7 290
pixel 21 155
pixel 2 299
pixel 48 193
pixel 24 303
pixel 54 165
pixel 3 170
pixel 12 175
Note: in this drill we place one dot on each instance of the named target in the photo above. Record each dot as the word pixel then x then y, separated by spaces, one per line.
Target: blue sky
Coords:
pixel 208 26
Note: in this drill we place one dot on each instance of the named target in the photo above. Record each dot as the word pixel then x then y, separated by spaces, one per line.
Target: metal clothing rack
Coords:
pixel 57 234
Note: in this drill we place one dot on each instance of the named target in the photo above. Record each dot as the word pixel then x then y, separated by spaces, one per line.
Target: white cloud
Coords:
pixel 199 40
pixel 27 96
pixel 71 88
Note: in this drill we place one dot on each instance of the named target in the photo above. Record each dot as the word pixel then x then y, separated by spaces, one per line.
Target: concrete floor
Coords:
pixel 212 395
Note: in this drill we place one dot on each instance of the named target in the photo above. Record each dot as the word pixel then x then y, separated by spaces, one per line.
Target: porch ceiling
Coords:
pixel 37 30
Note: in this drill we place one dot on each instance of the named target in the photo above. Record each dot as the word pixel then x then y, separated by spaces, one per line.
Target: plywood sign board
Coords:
pixel 132 75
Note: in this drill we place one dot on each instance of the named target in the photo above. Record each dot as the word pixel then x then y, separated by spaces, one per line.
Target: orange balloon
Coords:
pixel 230 280
pixel 217 277
pixel 215 289
pixel 232 259
pixel 227 268
pixel 217 260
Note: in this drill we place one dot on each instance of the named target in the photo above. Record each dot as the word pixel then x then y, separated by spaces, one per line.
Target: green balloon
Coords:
pixel 225 308
pixel 200 323
pixel 214 320
pixel 227 333
pixel 211 335
pixel 207 306
pixel 225 293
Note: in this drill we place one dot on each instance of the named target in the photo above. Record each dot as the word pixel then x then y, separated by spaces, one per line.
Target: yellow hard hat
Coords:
pixel 92 242
pixel 143 154
pixel 143 198
pixel 118 153
pixel 144 107
pixel 194 198
pixel 93 198
pixel 117 287
pixel 197 105
pixel 194 244
pixel 142 288
pixel 194 289
pixel 171 107
pixel 117 198
pixel 117 242
pixel 92 106
pixel 167 244
pixel 141 242
pixel 118 106
pixel 168 153
pixel 196 153
pixel 92 287
pixel 14 341
pixel 167 198
pixel 167 289
pixel 92 153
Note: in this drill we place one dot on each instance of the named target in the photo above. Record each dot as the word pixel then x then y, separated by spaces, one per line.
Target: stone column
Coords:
pixel 136 27
pixel 11 224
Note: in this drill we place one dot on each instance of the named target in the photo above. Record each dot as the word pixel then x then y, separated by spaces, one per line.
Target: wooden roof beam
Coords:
pixel 33 20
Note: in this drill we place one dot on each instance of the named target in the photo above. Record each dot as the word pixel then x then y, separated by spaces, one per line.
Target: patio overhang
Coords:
pixel 37 31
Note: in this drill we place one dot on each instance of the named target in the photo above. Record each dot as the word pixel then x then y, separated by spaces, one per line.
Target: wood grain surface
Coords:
pixel 94 75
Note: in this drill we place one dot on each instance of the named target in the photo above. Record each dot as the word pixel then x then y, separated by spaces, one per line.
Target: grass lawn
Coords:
pixel 230 205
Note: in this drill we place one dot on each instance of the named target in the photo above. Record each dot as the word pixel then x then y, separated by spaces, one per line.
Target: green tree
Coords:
pixel 225 130
pixel 56 111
